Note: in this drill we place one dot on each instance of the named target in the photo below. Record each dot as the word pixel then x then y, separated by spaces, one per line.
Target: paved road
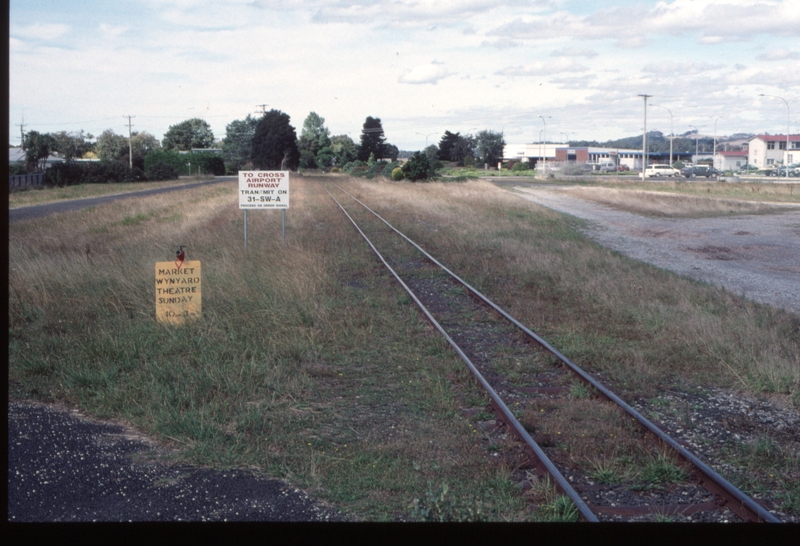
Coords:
pixel 63 467
pixel 39 211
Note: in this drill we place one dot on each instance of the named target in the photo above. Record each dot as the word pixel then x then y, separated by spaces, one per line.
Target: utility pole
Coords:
pixel 644 135
pixel 22 133
pixel 263 109
pixel 130 140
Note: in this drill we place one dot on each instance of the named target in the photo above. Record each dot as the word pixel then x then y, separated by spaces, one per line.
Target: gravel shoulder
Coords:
pixel 65 467
pixel 755 256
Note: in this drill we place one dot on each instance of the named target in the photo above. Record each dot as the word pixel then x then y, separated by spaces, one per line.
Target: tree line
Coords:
pixel 265 142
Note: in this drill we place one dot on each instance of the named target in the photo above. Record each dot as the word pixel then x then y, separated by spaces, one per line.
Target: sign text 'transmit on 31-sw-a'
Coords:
pixel 178 295
pixel 263 189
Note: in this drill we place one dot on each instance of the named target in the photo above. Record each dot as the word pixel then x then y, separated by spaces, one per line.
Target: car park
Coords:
pixel 660 170
pixel 699 170
pixel 794 170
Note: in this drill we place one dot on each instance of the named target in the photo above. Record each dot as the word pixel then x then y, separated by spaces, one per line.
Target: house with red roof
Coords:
pixel 770 150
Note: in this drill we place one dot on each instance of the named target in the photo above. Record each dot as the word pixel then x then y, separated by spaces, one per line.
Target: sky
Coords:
pixel 531 69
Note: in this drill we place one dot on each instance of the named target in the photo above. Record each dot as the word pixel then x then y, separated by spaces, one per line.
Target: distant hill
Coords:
pixel 657 142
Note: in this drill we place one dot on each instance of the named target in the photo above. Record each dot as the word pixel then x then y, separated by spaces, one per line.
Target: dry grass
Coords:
pixel 310 364
pixel 644 327
pixel 657 203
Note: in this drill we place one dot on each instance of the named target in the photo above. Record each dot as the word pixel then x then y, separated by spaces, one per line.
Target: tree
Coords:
pixel 275 143
pixel 344 149
pixel 391 152
pixel 314 137
pixel 490 146
pixel 111 146
pixel 446 145
pixel 463 149
pixel 37 149
pixel 372 139
pixel 418 168
pixel 238 142
pixel 142 144
pixel 432 152
pixel 192 133
pixel 71 145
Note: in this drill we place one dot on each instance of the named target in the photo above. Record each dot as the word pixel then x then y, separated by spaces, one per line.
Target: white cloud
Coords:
pixel 40 31
pixel 779 54
pixel 424 73
pixel 574 52
pixel 502 43
pixel 543 68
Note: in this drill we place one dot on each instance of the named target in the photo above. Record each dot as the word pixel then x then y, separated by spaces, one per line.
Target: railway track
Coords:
pixel 576 435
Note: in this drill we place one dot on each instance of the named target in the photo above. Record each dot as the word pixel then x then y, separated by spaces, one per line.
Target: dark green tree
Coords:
pixel 275 143
pixel 192 133
pixel 372 140
pixel 489 145
pixel 390 151
pixel 463 149
pixel 418 167
pixel 38 147
pixel 446 145
pixel 238 142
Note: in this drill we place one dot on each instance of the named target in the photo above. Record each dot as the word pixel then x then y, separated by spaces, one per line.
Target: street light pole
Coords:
pixel 545 144
pixel 788 129
pixel 714 157
pixel 644 136
pixel 426 138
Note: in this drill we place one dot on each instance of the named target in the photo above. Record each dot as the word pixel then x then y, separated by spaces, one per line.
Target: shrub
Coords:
pixel 96 172
pixel 418 167
pixel 387 170
pixel 397 173
pixel 162 171
pixel 376 168
pixel 521 166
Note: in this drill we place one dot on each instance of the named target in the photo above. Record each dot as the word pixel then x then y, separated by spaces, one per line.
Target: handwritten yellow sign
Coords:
pixel 178 295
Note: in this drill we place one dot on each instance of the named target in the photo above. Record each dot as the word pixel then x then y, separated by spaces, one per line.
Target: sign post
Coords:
pixel 178 290
pixel 264 190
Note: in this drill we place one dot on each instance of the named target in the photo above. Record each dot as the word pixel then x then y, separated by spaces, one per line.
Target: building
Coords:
pixel 733 161
pixel 768 150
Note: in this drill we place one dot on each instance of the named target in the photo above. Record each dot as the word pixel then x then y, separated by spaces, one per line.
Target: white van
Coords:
pixel 660 170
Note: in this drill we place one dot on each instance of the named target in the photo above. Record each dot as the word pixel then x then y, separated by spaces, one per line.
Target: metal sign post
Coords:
pixel 264 190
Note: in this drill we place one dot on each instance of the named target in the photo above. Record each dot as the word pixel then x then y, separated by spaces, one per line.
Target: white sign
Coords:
pixel 263 189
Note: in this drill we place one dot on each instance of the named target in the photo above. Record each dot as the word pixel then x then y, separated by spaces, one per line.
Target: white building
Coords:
pixel 531 151
pixel 767 150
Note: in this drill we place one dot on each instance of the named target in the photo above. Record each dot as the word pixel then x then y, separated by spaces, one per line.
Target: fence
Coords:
pixel 18 182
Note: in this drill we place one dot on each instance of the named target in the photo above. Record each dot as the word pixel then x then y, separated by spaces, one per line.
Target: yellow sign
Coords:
pixel 178 295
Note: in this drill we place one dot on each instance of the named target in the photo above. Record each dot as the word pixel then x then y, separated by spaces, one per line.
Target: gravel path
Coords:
pixel 756 256
pixel 63 467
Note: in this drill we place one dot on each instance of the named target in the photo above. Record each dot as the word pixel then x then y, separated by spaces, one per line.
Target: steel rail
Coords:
pixel 561 481
pixel 742 505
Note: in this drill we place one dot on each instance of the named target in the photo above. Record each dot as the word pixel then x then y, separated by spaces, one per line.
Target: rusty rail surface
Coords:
pixel 728 495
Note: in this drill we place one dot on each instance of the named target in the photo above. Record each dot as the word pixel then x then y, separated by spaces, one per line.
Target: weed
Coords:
pixel 560 509
pixel 436 506
pixel 662 469
pixel 603 471
pixel 580 391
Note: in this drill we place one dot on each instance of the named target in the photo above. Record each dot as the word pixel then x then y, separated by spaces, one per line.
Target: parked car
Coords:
pixel 699 170
pixel 794 170
pixel 660 170
pixel 608 168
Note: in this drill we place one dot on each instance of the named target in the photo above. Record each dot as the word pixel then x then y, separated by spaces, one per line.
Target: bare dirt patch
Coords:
pixel 706 249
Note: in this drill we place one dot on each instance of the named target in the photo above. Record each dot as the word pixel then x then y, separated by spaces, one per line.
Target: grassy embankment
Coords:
pixel 49 195
pixel 310 364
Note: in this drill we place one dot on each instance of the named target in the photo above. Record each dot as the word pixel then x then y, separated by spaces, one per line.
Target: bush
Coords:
pixel 162 171
pixel 397 174
pixel 96 172
pixel 208 162
pixel 377 168
pixel 387 170
pixel 521 166
pixel 418 167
